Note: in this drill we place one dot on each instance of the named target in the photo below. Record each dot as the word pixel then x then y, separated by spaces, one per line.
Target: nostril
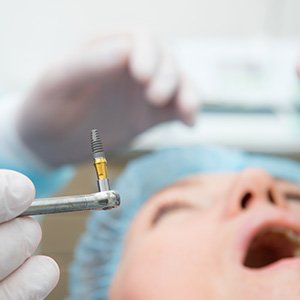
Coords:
pixel 245 200
pixel 271 197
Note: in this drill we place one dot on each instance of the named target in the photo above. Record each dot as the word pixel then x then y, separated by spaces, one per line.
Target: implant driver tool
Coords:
pixel 102 200
pixel 97 201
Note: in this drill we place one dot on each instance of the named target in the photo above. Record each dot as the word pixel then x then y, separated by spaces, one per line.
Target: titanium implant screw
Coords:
pixel 100 162
pixel 97 146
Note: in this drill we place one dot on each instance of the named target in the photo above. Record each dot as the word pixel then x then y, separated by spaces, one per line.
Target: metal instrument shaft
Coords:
pixel 96 201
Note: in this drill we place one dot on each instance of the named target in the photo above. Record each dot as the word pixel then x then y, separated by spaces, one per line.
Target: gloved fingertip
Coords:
pixel 16 194
pixel 32 230
pixel 189 119
pixel 188 108
pixel 144 58
pixel 157 98
pixel 189 104
pixel 51 267
pixel 35 279
pixel 140 73
pixel 22 186
pixel 48 274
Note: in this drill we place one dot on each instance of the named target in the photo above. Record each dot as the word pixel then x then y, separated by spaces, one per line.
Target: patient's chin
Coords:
pixel 276 281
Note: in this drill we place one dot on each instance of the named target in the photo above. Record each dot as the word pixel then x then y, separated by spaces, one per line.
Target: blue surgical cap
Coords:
pixel 99 250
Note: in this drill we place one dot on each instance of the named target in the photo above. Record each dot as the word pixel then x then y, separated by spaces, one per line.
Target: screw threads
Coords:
pixel 100 162
pixel 97 147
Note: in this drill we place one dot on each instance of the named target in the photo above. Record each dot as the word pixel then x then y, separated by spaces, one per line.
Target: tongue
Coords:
pixel 268 248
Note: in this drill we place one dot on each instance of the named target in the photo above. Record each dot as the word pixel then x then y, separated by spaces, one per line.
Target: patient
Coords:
pixel 221 224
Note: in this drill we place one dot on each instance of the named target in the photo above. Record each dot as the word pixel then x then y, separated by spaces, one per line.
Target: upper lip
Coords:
pixel 259 220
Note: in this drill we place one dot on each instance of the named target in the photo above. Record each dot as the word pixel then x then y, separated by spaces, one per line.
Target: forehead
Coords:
pixel 200 180
pixel 193 187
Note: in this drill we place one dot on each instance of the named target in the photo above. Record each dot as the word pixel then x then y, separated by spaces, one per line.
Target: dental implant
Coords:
pixel 100 161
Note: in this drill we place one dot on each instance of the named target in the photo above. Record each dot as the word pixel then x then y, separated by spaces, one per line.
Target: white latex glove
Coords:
pixel 22 276
pixel 122 84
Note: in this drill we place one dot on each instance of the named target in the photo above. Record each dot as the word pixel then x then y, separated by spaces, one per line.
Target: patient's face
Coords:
pixel 221 236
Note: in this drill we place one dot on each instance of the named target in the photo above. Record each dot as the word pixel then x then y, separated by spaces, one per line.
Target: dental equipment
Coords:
pixel 100 162
pixel 103 200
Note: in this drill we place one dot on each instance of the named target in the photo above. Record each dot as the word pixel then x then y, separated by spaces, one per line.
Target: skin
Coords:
pixel 196 250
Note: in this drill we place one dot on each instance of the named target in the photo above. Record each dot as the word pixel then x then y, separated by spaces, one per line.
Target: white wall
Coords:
pixel 34 32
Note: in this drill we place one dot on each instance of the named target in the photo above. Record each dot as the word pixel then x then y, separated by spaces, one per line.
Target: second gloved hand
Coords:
pixel 122 84
pixel 22 275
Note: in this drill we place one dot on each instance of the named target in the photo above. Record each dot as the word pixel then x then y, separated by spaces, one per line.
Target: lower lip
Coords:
pixel 281 265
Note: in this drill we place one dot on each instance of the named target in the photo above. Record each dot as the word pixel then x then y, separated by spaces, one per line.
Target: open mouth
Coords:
pixel 271 245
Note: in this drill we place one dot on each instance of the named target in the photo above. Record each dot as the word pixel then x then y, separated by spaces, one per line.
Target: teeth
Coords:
pixel 291 235
pixel 297 251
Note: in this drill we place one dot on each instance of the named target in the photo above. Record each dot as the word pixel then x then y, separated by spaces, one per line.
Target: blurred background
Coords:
pixel 242 54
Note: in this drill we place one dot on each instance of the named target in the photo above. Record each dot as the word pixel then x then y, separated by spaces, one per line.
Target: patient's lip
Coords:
pixel 260 219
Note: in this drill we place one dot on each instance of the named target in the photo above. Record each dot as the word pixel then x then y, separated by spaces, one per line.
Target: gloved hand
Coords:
pixel 22 276
pixel 122 84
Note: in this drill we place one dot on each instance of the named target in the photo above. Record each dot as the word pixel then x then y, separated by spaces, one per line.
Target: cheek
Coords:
pixel 294 206
pixel 180 264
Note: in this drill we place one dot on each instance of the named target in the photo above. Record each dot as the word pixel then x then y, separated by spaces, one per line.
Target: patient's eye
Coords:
pixel 292 196
pixel 167 208
pixel 290 190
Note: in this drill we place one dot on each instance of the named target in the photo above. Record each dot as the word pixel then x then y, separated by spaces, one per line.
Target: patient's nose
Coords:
pixel 253 187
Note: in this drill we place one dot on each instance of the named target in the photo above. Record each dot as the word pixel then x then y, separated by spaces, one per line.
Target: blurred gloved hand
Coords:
pixel 121 84
pixel 22 276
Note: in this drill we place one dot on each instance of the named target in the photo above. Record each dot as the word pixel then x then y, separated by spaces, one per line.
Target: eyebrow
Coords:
pixel 169 192
pixel 167 209
pixel 295 195
pixel 283 180
pixel 177 186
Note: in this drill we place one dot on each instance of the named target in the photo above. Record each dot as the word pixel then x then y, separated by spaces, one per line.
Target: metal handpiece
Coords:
pixel 104 199
pixel 98 201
